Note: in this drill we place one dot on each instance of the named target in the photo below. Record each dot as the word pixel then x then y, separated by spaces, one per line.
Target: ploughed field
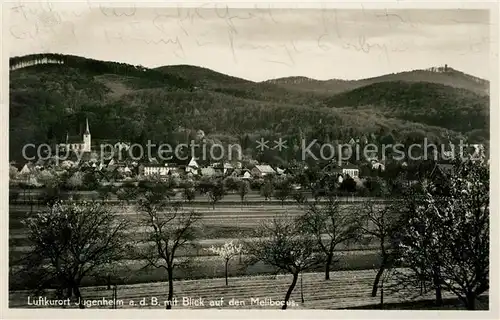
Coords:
pixel 225 222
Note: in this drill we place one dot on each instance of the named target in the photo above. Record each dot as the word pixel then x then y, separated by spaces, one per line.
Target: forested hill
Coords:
pixel 438 75
pixel 52 94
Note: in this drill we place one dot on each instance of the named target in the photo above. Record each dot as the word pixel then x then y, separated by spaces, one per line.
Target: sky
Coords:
pixel 260 44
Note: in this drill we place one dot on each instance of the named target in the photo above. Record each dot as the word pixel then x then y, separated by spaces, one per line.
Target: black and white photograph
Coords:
pixel 249 156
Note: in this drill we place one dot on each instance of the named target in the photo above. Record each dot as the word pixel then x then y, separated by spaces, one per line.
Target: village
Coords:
pixel 84 170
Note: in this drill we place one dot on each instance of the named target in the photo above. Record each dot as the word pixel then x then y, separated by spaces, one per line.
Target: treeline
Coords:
pixel 102 67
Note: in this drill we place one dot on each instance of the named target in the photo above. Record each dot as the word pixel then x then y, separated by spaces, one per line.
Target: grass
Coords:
pixel 218 225
pixel 133 271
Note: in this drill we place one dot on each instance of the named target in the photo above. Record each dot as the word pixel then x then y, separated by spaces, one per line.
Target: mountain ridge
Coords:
pixel 442 75
pixel 133 103
pixel 56 58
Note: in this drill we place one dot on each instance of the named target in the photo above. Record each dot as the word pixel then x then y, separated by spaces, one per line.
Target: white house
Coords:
pixel 225 167
pixel 280 171
pixel 351 170
pixel 378 166
pixel 192 167
pixel 155 169
pixel 247 175
pixel 263 170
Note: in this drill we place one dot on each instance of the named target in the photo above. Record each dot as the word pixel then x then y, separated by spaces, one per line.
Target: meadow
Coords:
pixel 217 226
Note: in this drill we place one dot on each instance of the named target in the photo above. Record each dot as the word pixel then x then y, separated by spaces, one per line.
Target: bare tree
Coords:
pixel 286 246
pixel 243 189
pixel 382 224
pixel 71 241
pixel 330 226
pixel 168 229
pixel 216 192
pixel 282 190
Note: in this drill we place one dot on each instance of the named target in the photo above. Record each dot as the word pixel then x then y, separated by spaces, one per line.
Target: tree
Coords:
pixel 189 193
pixel 456 225
pixel 105 192
pixel 267 189
pixel 47 178
pixel 299 196
pixel 75 182
pixel 382 224
pixel 348 185
pixel 227 252
pixel 13 195
pixel 13 172
pixel 90 181
pixel 169 228
pixel 71 241
pixel 285 245
pixel 330 226
pixel 127 194
pixel 282 190
pixel 231 184
pixel 243 189
pixel 418 249
pixel 216 192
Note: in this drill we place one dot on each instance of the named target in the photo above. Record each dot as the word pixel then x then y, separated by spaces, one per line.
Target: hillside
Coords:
pixel 433 104
pixel 449 77
pixel 169 104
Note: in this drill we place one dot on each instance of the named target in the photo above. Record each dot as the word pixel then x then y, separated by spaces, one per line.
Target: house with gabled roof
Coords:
pixel 280 171
pixel 246 175
pixel 262 170
pixel 443 169
pixel 223 168
pixel 192 167
pixel 28 168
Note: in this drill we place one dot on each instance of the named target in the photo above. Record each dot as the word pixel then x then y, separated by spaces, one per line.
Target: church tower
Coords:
pixel 86 138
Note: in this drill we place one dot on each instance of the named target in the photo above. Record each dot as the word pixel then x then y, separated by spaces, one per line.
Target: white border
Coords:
pixel 493 313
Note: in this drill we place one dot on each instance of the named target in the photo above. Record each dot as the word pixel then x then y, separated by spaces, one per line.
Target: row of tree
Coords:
pixel 436 239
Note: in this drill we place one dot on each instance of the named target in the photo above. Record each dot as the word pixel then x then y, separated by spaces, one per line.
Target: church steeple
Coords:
pixel 87 130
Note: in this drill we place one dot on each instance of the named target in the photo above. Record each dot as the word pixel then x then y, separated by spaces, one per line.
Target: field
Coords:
pixel 349 287
pixel 217 226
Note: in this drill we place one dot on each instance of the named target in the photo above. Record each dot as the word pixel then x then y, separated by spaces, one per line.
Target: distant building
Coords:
pixel 77 143
pixel 208 172
pixel 27 169
pixel 192 167
pixel 150 169
pixel 262 170
pixel 280 171
pixel 246 175
pixel 443 170
pixel 351 170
